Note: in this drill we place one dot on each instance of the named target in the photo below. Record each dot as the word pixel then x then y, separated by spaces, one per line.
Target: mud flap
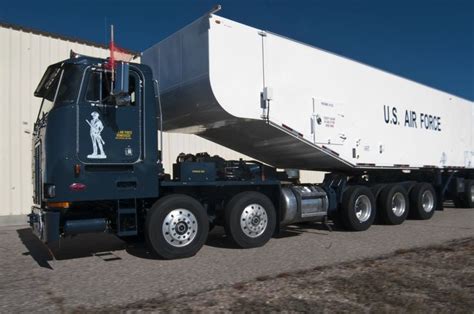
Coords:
pixel 45 225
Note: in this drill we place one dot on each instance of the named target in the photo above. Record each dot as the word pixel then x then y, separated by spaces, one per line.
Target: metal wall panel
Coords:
pixel 24 57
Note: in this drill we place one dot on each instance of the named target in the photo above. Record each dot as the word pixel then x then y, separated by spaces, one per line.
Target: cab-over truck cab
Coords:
pixel 92 147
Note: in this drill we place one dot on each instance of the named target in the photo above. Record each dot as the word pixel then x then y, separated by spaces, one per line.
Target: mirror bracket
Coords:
pixel 120 92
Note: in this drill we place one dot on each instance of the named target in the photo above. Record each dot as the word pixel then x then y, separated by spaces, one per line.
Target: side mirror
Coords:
pixel 120 93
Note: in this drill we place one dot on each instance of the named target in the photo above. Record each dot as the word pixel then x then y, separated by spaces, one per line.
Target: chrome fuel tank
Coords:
pixel 303 203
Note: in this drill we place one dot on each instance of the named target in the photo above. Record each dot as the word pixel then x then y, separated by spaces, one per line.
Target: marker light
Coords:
pixel 77 170
pixel 58 204
pixel 76 187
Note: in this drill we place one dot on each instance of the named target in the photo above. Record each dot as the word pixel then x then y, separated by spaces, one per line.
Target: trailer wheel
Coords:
pixel 176 227
pixel 422 201
pixel 357 211
pixel 250 219
pixel 469 194
pixel 393 204
pixel 466 199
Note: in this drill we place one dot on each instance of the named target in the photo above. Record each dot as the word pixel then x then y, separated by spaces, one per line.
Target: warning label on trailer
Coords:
pixel 412 119
pixel 329 122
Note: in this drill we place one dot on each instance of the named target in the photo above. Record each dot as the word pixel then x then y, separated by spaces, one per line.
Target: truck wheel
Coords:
pixel 176 227
pixel 422 201
pixel 393 204
pixel 469 194
pixel 250 219
pixel 357 211
pixel 466 199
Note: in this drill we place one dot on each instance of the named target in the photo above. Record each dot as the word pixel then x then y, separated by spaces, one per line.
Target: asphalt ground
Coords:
pixel 96 271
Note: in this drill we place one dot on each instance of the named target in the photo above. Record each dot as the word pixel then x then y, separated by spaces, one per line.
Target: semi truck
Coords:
pixel 391 148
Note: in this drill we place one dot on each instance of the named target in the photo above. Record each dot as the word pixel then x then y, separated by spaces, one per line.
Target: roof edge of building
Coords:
pixel 59 36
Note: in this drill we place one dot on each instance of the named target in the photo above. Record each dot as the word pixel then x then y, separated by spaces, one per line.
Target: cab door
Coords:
pixel 107 133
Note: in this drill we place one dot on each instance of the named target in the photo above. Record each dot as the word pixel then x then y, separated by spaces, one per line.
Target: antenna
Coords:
pixel 112 58
pixel 215 9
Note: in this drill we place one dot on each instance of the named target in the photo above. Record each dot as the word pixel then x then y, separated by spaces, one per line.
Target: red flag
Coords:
pixel 116 53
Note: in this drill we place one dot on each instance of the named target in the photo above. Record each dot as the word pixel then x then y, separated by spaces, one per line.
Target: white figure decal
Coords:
pixel 97 141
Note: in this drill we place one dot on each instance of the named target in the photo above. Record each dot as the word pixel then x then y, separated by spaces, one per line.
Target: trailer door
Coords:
pixel 327 122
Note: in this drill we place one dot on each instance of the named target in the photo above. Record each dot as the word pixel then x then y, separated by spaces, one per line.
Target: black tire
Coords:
pixel 235 225
pixel 465 200
pixel 418 198
pixel 184 207
pixel 469 194
pixel 377 189
pixel 393 195
pixel 347 213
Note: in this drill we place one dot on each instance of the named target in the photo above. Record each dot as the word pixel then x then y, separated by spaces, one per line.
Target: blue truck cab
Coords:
pixel 88 147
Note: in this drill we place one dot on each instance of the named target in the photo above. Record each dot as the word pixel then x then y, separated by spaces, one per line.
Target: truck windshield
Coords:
pixel 59 86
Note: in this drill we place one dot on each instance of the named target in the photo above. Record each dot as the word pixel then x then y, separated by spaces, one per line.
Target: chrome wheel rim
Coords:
pixel 254 220
pixel 363 208
pixel 399 204
pixel 472 193
pixel 427 201
pixel 179 227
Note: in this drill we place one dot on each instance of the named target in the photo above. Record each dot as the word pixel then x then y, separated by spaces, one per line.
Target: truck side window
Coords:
pixel 98 87
pixel 69 85
pixel 93 92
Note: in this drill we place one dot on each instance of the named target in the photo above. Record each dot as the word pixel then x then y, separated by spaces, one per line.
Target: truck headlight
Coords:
pixel 49 190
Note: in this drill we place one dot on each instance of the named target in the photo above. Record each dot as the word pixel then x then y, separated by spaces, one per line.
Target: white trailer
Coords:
pixel 392 147
pixel 296 106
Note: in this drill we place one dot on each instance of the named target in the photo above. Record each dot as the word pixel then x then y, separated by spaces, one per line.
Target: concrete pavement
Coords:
pixel 92 271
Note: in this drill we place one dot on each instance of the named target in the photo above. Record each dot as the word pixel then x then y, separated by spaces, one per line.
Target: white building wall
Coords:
pixel 24 56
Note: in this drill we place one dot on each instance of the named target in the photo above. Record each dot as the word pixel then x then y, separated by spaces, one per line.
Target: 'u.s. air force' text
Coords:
pixel 412 119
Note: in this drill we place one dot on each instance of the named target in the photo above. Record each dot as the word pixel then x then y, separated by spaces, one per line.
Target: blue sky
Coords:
pixel 429 41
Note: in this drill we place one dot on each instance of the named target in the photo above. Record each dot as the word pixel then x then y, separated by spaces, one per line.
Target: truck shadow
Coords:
pixel 86 245
pixel 217 238
pixel 103 245
pixel 35 248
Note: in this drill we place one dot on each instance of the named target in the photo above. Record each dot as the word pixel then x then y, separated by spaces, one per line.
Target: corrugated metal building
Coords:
pixel 24 56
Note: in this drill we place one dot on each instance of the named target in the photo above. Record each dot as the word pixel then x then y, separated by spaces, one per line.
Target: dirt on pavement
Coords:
pixel 432 279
